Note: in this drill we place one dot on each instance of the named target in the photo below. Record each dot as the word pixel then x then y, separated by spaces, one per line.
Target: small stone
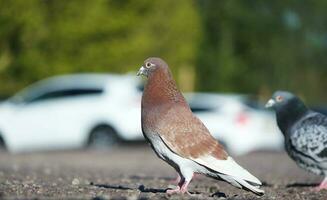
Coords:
pixel 75 181
pixel 212 189
pixel 133 197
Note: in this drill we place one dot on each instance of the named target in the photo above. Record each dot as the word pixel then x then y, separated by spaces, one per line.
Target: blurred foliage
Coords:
pixel 226 46
pixel 40 38
pixel 261 46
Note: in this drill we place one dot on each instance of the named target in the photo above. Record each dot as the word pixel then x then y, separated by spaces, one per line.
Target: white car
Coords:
pixel 237 122
pixel 99 110
pixel 72 111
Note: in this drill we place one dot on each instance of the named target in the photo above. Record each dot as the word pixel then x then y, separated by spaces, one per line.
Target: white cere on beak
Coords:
pixel 270 103
pixel 142 71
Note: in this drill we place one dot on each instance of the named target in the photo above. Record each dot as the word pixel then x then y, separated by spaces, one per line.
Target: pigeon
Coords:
pixel 305 133
pixel 179 138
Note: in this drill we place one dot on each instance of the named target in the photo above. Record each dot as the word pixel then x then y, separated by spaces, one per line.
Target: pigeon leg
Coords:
pixel 184 187
pixel 178 187
pixel 188 175
pixel 173 191
pixel 181 188
pixel 323 185
pixel 186 178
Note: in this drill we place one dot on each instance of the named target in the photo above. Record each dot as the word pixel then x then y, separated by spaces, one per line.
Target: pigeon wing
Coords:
pixel 309 137
pixel 188 137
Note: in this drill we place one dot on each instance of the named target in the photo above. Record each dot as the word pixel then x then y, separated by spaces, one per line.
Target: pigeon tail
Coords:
pixel 232 172
pixel 247 185
pixel 227 167
pixel 240 183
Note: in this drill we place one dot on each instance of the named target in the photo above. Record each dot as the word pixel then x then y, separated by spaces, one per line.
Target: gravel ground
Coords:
pixel 134 172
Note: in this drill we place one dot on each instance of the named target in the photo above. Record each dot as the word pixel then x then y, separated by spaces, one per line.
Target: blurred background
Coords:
pixel 227 56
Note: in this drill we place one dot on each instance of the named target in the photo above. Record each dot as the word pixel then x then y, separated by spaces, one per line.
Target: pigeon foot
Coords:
pixel 322 186
pixel 180 190
pixel 173 191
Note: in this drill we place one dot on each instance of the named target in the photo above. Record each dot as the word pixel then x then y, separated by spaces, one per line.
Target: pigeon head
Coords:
pixel 151 65
pixel 281 100
pixel 160 87
pixel 289 108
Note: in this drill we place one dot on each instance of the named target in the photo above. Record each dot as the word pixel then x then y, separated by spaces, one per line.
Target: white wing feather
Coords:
pixel 228 167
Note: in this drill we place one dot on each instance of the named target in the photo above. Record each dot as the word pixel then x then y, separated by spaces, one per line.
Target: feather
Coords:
pixel 228 167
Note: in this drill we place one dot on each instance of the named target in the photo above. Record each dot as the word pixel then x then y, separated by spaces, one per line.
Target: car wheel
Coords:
pixel 103 137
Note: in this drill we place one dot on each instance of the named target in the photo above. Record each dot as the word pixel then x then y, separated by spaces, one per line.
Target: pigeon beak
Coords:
pixel 270 103
pixel 143 71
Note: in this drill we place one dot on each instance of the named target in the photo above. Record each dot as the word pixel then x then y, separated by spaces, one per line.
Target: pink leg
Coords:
pixel 173 191
pixel 177 189
pixel 181 188
pixel 184 187
pixel 322 186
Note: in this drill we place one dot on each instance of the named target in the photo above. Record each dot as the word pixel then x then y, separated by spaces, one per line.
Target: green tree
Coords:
pixel 40 38
pixel 260 46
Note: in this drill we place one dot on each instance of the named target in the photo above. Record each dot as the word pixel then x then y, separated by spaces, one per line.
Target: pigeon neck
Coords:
pixel 161 89
pixel 289 116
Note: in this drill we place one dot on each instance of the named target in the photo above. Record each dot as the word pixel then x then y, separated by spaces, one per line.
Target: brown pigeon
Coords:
pixel 180 138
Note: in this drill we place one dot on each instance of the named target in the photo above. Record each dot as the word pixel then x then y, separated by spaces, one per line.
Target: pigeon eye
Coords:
pixel 279 98
pixel 148 65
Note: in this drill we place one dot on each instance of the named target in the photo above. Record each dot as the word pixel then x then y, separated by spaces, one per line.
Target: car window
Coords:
pixel 198 109
pixel 66 93
pixel 256 105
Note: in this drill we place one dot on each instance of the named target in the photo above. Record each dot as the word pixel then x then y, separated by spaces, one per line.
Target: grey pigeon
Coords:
pixel 305 133
pixel 179 138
